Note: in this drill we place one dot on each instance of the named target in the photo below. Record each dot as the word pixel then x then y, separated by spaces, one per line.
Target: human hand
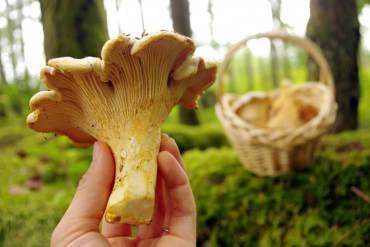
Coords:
pixel 174 219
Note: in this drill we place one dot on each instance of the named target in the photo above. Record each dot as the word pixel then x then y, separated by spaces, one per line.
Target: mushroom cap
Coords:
pixel 87 96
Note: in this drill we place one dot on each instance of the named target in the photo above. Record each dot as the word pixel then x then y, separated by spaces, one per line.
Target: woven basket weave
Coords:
pixel 271 152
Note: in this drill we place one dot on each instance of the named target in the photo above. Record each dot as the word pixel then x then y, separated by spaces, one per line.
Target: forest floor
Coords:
pixel 39 173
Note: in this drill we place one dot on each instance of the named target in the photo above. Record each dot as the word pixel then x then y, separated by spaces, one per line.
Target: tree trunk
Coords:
pixel 249 69
pixel 2 72
pixel 211 20
pixel 75 28
pixel 286 63
pixel 276 14
pixel 230 72
pixel 20 18
pixel 334 26
pixel 278 24
pixel 10 28
pixel 142 16
pixel 118 19
pixel 180 14
pixel 181 23
pixel 264 72
pixel 274 65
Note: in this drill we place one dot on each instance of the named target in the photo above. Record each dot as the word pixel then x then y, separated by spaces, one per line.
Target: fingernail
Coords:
pixel 96 151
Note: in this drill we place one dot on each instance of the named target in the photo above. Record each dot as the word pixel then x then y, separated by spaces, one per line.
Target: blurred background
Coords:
pixel 325 205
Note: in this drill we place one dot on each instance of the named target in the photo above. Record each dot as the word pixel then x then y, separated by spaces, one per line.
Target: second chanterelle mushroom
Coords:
pixel 122 99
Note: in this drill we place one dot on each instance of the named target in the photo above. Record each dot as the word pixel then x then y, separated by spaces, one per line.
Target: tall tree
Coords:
pixel 334 26
pixel 231 78
pixel 278 23
pixel 274 62
pixel 142 15
pixel 20 18
pixel 249 69
pixel 211 20
pixel 2 72
pixel 180 14
pixel 10 28
pixel 263 75
pixel 118 3
pixel 76 28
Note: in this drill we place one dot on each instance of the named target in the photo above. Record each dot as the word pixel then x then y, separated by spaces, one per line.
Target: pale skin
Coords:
pixel 83 223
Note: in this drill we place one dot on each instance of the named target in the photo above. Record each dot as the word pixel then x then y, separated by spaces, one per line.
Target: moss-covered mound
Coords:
pixel 315 207
pixel 196 137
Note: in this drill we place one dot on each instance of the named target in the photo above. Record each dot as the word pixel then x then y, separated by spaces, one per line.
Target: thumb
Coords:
pixel 94 188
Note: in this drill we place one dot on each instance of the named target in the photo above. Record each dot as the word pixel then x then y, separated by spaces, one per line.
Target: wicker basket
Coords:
pixel 271 152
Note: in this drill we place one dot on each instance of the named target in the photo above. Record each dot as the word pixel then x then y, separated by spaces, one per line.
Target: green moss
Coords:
pixel 314 207
pixel 196 137
pixel 28 219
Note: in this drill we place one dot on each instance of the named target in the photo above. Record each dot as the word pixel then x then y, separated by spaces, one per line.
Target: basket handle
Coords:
pixel 310 47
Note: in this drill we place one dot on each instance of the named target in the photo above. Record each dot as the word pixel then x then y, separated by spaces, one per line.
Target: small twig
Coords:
pixel 360 194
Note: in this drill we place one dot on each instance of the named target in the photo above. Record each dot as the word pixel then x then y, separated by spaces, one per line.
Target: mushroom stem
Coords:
pixel 132 197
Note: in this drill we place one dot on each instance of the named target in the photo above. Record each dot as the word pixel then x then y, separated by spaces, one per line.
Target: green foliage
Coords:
pixel 314 207
pixel 28 219
pixel 29 216
pixel 14 99
pixel 196 137
pixel 236 78
pixel 362 3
